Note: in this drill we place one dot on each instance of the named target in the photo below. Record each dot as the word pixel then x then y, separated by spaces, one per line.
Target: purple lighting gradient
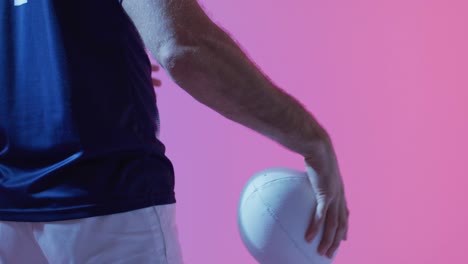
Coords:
pixel 389 82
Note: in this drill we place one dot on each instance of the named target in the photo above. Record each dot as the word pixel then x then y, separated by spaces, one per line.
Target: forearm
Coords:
pixel 215 71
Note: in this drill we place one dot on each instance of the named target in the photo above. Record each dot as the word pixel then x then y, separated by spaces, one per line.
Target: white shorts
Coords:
pixel 142 236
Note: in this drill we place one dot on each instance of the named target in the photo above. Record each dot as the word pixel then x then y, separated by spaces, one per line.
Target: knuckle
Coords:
pixel 323 199
pixel 326 196
pixel 343 224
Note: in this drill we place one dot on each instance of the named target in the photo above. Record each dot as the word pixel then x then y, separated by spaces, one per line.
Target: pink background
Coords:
pixel 387 79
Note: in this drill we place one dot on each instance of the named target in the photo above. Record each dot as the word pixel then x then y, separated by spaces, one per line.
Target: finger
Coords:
pixel 347 218
pixel 341 231
pixel 156 82
pixel 336 243
pixel 330 228
pixel 154 67
pixel 318 218
pixel 346 231
pixel 310 234
pixel 345 237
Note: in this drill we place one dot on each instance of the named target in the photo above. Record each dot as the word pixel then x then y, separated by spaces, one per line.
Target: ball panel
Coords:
pixel 274 212
pixel 263 236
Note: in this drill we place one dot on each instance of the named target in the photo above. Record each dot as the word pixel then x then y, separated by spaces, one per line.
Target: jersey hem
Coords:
pixel 115 206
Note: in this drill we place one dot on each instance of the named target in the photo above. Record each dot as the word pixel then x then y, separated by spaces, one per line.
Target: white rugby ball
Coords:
pixel 275 209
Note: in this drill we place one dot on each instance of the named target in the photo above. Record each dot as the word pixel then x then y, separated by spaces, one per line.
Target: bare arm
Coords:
pixel 204 61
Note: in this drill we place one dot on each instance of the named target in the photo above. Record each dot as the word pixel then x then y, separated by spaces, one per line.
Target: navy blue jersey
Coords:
pixel 79 122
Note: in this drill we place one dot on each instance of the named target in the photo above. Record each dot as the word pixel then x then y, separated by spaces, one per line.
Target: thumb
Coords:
pixel 318 186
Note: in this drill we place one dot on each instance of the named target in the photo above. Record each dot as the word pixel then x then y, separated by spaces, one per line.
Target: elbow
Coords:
pixel 172 56
pixel 178 60
pixel 184 50
pixel 185 56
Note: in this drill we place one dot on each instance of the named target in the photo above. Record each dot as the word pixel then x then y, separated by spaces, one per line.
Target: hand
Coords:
pixel 154 69
pixel 331 203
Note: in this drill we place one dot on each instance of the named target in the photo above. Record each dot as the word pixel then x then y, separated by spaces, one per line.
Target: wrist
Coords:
pixel 320 145
pixel 321 155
